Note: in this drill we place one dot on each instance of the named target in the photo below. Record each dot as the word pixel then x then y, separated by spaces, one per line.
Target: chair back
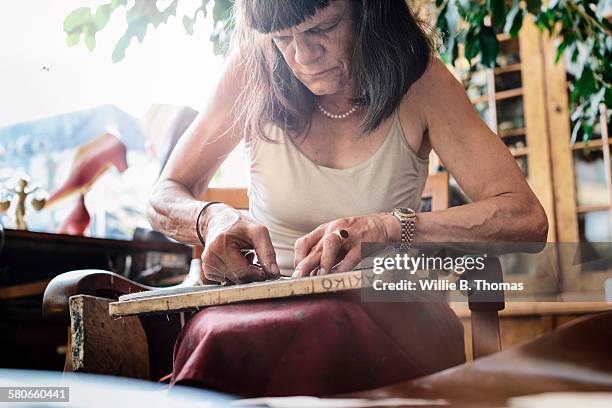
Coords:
pixel 234 197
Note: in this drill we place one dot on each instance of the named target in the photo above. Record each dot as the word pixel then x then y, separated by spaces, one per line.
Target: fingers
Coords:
pixel 262 243
pixel 332 243
pixel 304 245
pixel 227 263
pixel 323 254
pixel 350 261
pixel 305 267
pixel 212 273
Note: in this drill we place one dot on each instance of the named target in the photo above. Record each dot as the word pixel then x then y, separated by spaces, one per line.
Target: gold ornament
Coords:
pixel 20 193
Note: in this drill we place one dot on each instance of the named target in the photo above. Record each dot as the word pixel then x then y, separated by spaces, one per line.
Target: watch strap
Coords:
pixel 407 219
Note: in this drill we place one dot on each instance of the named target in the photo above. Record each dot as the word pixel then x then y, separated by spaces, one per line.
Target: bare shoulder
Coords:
pixel 422 104
pixel 437 86
pixel 427 98
pixel 441 100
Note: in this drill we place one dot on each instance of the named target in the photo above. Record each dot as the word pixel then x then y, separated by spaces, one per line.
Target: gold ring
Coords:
pixel 342 233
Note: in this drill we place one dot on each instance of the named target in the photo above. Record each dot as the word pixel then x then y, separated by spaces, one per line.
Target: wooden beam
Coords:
pixel 498 96
pixel 536 125
pixel 436 188
pixel 559 131
pixel 603 121
pixel 512 132
pixel 590 208
pixel 508 68
pixel 519 151
pixel 591 144
pixel 27 289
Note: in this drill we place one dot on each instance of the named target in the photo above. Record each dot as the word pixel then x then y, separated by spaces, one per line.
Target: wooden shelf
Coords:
pixel 591 208
pixel 512 132
pixel 510 93
pixel 519 151
pixel 516 67
pixel 508 68
pixel 592 144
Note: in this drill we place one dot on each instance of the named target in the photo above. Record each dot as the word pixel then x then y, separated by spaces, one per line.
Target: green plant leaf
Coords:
pixel 586 84
pixel 102 16
pixel 468 7
pixel 90 41
pixel 77 18
pixel 117 3
pixel 498 12
pixel 452 21
pixel 472 43
pixel 138 29
pixel 73 38
pixel 514 19
pixel 534 6
pixel 120 47
pixel 221 10
pixel 188 24
pixel 167 13
pixel 489 46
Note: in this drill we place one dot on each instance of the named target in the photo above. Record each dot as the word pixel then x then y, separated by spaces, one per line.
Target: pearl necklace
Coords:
pixel 332 116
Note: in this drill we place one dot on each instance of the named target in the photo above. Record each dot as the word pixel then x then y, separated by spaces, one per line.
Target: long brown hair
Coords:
pixel 391 52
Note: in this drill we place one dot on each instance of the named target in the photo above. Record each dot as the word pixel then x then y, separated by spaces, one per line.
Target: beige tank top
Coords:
pixel 291 195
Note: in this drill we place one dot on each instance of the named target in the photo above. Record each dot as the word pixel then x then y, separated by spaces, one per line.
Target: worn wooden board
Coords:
pixel 202 297
pixel 104 345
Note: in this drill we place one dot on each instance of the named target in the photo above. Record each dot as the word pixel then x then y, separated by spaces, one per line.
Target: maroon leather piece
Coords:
pixel 315 345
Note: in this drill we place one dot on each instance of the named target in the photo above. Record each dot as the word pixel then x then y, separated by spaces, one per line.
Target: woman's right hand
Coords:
pixel 227 231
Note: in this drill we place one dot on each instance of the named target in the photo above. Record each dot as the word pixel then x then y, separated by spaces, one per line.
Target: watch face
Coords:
pixel 405 211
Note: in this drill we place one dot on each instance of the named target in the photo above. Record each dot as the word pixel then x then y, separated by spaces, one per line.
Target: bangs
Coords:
pixel 268 16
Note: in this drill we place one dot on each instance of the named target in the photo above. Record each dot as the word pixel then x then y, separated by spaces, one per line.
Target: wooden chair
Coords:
pixel 141 346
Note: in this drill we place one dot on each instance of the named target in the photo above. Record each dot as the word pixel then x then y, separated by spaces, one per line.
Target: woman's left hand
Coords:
pixel 323 251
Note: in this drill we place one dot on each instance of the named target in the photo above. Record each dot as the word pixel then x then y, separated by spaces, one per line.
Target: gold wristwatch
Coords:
pixel 407 219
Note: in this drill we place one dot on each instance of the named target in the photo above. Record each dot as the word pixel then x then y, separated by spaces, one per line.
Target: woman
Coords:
pixel 340 103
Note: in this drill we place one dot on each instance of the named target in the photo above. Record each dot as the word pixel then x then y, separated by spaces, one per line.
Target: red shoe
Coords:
pixel 78 220
pixel 90 162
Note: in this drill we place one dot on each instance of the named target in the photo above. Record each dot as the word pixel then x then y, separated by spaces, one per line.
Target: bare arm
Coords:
pixel 174 204
pixel 504 208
